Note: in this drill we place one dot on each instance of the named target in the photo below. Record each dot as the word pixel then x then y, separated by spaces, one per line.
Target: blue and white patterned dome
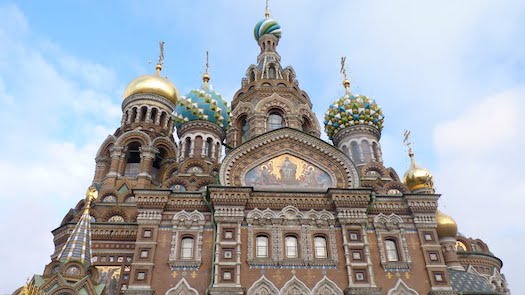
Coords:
pixel 203 104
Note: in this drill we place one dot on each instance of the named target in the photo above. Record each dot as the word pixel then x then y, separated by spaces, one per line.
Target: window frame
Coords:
pixel 325 247
pixel 391 241
pixel 291 237
pixel 265 247
pixel 182 248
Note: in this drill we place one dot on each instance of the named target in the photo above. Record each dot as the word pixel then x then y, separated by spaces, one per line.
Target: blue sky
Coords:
pixel 453 73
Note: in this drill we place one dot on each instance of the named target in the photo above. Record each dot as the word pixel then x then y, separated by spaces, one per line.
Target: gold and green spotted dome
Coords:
pixel 352 110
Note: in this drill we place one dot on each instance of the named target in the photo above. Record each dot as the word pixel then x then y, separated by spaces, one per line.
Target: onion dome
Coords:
pixel 417 178
pixel 351 110
pixel 203 104
pixel 446 225
pixel 267 26
pixel 153 84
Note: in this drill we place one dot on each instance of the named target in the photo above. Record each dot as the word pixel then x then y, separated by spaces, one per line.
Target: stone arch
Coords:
pixel 294 287
pixel 396 185
pixel 374 166
pixel 275 101
pixel 263 286
pixel 110 140
pixel 401 289
pixel 326 287
pixel 168 145
pixel 182 288
pixel 137 135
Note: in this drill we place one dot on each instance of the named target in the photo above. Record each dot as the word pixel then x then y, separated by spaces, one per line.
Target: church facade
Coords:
pixel 280 212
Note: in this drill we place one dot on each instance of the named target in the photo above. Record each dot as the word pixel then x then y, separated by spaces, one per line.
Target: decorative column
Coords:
pixel 448 245
pixel 116 153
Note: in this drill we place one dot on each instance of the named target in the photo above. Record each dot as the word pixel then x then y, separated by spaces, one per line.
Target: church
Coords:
pixel 191 195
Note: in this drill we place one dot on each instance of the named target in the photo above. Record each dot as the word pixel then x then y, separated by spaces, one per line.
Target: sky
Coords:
pixel 452 72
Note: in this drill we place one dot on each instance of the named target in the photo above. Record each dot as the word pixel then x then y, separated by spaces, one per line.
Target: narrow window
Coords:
pixel 186 248
pixel 208 147
pixel 356 153
pixel 291 247
pixel 367 151
pixel 275 121
pixel 391 250
pixel 261 245
pixel 187 147
pixel 155 171
pixel 375 149
pixel 133 159
pixel 244 130
pixel 320 247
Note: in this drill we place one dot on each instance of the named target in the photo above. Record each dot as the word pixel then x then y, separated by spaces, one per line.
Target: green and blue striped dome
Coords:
pixel 203 104
pixel 352 110
pixel 267 26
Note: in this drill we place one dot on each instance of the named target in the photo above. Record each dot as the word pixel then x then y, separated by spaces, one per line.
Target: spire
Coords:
pixel 346 82
pixel 267 12
pixel 78 245
pixel 408 143
pixel 206 76
pixel 160 63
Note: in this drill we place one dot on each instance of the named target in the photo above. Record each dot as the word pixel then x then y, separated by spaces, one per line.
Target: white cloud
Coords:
pixel 481 175
pixel 55 110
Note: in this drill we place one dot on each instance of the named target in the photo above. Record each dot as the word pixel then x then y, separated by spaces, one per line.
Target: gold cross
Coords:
pixel 174 274
pixel 413 244
pixel 407 141
pixel 193 274
pixel 207 65
pixel 161 55
pixel 309 276
pixel 343 68
pixel 407 275
pixel 278 277
pixel 164 241
pixel 389 275
pixel 267 12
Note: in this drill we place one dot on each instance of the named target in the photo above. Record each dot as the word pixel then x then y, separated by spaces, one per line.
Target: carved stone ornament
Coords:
pixel 182 288
pixel 401 289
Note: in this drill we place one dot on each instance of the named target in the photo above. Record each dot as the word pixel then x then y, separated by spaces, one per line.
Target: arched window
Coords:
pixel 92 219
pixel 130 199
pixel 116 218
pixel 307 126
pixel 208 147
pixel 143 112
pixel 133 115
pixel 261 246
pixel 186 248
pixel 320 247
pixel 272 72
pixel 153 115
pixel 133 159
pixel 155 171
pixel 391 250
pixel 290 243
pixel 275 121
pixel 345 150
pixel 252 76
pixel 163 117
pixel 244 129
pixel 109 199
pixel 187 147
pixel 375 149
pixel 367 152
pixel 356 153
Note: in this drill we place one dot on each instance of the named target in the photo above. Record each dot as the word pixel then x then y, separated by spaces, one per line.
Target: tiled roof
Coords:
pixel 469 283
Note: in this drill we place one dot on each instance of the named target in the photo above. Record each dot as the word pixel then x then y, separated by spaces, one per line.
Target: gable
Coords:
pixel 288 160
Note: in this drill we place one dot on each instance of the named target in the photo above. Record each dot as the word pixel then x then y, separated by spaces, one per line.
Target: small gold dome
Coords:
pixel 153 84
pixel 446 226
pixel 418 178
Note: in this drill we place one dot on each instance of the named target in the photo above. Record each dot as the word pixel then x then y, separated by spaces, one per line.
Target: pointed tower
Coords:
pixel 354 124
pixel 140 150
pixel 270 97
pixel 201 118
pixel 71 269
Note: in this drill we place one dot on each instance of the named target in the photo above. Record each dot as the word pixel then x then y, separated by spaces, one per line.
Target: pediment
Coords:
pixel 288 160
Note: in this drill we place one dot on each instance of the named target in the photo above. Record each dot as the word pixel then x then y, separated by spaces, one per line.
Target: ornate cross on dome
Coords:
pixel 207 64
pixel 408 143
pixel 267 12
pixel 160 63
pixel 346 82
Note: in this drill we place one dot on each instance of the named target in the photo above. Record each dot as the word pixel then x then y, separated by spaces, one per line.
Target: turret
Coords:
pixel 354 124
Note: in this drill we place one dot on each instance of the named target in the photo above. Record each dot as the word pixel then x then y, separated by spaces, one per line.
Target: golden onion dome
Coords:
pixel 153 84
pixel 417 178
pixel 446 225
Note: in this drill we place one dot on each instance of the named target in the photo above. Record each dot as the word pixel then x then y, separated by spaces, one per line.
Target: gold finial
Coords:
pixel 408 143
pixel 160 63
pixel 206 76
pixel 346 82
pixel 91 195
pixel 267 12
